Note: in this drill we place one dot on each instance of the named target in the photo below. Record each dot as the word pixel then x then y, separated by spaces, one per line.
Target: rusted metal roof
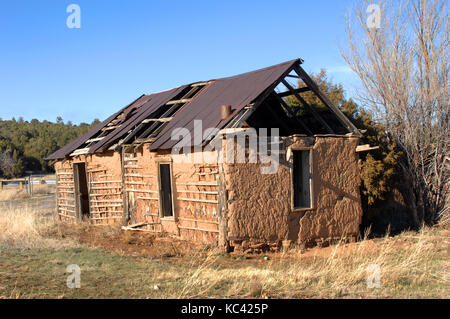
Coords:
pixel 69 148
pixel 238 91
pixel 154 102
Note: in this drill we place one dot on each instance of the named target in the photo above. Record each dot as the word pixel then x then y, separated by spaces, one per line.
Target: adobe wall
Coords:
pixel 338 210
pixel 260 205
pixel 194 195
pixel 65 196
pixel 105 187
pixel 104 179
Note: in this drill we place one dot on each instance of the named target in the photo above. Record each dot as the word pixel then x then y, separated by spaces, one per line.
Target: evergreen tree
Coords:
pixel 24 145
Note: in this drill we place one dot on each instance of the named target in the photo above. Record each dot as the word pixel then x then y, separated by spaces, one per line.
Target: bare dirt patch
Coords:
pixel 129 243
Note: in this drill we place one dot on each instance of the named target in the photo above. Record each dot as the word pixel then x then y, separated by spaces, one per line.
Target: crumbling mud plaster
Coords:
pixel 194 191
pixel 260 205
pixel 103 175
pixel 336 182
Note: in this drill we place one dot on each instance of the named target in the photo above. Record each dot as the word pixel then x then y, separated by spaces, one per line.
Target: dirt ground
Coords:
pixel 143 244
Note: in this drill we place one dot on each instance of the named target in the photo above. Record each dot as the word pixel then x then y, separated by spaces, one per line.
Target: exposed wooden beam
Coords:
pixel 292 113
pixel 80 151
pixel 277 118
pixel 94 139
pixel 107 128
pixel 144 140
pixel 201 83
pixel 299 90
pixel 309 107
pixel 178 101
pixel 325 100
pixel 165 119
pixel 151 128
pixel 365 148
pixel 157 127
pixel 246 112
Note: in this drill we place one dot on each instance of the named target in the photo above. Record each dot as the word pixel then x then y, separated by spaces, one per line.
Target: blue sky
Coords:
pixel 127 48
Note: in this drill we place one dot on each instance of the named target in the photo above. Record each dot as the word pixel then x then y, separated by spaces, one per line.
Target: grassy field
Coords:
pixel 14 193
pixel 35 251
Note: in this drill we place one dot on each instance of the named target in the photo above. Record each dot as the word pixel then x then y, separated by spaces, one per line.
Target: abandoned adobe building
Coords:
pixel 123 170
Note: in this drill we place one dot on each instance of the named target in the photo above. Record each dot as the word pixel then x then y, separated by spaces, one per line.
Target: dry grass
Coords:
pixel 27 227
pixel 9 194
pixel 444 217
pixel 13 194
pixel 412 264
pixel 44 189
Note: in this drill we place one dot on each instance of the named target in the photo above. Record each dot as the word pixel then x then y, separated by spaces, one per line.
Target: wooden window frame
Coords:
pixel 172 183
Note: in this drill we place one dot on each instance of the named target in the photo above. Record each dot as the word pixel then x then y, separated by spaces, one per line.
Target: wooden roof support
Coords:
pixel 245 113
pixel 157 127
pixel 325 100
pixel 165 115
pixel 299 90
pixel 94 139
pixel 178 101
pixel 201 83
pixel 293 76
pixel 242 117
pixel 309 107
pixel 292 113
pixel 80 151
pixel 277 118
pixel 113 127
pixel 165 119
pixel 366 148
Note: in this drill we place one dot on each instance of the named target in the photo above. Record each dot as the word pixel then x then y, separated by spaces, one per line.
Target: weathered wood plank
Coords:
pixel 198 200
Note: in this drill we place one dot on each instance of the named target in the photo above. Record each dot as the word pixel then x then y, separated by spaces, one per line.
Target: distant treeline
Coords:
pixel 24 145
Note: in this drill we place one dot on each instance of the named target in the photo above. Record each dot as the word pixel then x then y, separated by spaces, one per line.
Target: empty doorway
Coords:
pixel 81 190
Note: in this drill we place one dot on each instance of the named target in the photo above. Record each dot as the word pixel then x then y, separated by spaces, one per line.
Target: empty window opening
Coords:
pixel 81 190
pixel 165 190
pixel 302 179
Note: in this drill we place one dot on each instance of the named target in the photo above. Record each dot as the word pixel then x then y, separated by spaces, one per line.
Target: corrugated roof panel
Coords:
pixel 154 102
pixel 237 91
pixel 69 148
